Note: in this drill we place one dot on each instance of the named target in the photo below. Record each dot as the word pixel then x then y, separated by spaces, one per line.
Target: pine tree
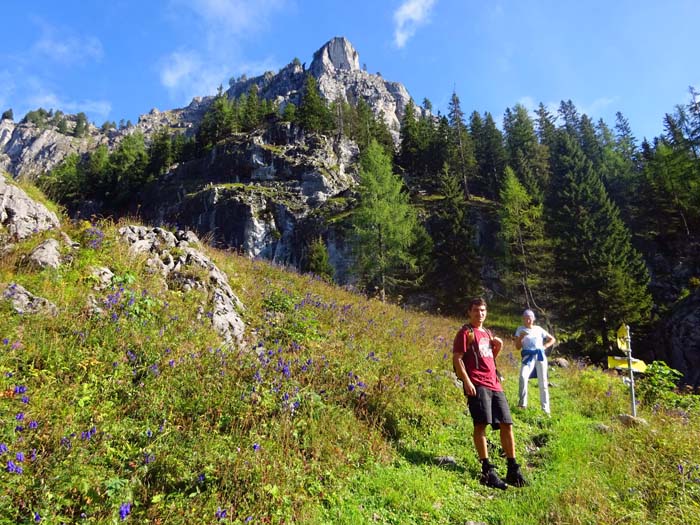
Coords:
pixel 318 260
pixel 384 225
pixel 8 114
pixel 313 113
pixel 546 127
pixel 457 264
pixel 528 158
pixel 81 125
pixel 461 147
pixel 593 251
pixel 489 152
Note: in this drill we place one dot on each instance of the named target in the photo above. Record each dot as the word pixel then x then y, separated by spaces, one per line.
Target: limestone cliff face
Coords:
pixel 28 151
pixel 259 193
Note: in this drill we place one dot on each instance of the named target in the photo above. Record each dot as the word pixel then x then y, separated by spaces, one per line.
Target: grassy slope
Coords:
pixel 333 414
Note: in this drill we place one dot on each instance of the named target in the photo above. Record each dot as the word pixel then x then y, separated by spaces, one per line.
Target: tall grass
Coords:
pixel 334 411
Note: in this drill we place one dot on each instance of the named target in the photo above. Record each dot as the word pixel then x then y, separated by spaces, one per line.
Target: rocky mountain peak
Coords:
pixel 337 53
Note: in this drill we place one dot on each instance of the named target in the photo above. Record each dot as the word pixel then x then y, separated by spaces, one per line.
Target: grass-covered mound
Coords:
pixel 334 412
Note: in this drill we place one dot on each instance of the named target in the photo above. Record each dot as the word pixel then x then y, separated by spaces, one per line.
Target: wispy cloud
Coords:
pixel 232 16
pixel 410 15
pixel 65 46
pixel 224 24
pixel 42 98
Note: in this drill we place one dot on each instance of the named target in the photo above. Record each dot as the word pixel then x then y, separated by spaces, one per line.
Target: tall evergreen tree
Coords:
pixel 490 153
pixel 593 251
pixel 457 264
pixel 546 127
pixel 527 157
pixel 318 260
pixel 313 113
pixel 461 146
pixel 384 225
pixel 528 253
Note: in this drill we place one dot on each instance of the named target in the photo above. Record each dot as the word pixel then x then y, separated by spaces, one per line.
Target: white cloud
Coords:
pixel 96 109
pixel 233 16
pixel 65 47
pixel 224 25
pixel 186 75
pixel 410 15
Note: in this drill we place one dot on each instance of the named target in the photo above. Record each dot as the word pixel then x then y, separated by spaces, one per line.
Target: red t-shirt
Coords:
pixel 478 357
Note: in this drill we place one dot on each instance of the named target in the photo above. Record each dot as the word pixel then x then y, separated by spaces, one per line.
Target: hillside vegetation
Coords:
pixel 338 409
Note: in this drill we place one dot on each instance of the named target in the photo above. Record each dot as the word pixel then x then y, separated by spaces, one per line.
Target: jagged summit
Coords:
pixel 337 53
pixel 336 67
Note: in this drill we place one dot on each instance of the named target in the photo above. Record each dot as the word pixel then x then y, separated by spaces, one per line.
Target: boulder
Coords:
pixel 24 302
pixel 173 255
pixel 46 255
pixel 20 215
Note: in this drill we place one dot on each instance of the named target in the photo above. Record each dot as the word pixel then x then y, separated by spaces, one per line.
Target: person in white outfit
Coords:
pixel 533 341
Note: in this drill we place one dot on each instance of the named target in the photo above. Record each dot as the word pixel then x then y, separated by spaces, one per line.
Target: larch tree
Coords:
pixel 384 225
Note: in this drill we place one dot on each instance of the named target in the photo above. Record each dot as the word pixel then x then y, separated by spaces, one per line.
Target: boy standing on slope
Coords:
pixel 474 358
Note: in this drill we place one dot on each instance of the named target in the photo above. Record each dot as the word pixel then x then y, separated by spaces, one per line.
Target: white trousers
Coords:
pixel 525 371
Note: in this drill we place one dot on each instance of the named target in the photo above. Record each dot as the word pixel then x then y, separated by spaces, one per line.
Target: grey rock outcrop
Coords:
pixel 46 255
pixel 28 151
pixel 173 255
pixel 20 215
pixel 257 192
pixel 683 334
pixel 25 302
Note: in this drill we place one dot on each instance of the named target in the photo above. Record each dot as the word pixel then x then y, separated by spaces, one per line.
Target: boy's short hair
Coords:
pixel 476 301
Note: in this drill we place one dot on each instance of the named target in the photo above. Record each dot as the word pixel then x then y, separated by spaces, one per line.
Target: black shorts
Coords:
pixel 489 407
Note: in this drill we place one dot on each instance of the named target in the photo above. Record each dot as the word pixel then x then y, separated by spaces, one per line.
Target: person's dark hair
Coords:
pixel 476 301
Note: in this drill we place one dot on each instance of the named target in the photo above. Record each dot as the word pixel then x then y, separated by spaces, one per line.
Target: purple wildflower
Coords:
pixel 124 510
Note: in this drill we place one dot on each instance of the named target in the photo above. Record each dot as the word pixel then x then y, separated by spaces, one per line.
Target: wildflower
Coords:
pixel 256 447
pixel 37 517
pixel 25 400
pixel 12 468
pixel 351 387
pixel 19 416
pixel 20 457
pixel 124 510
pixel 3 448
pixel 220 513
pixel 149 433
pixel 33 424
pixel 6 341
pixel 148 458
pixel 20 389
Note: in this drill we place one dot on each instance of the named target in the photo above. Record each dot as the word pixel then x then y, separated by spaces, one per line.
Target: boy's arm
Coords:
pixel 497 345
pixel 468 386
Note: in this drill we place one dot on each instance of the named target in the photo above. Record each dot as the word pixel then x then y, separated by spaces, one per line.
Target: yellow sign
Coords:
pixel 621 363
pixel 623 338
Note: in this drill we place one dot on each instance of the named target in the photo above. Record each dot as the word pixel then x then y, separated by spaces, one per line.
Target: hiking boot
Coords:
pixel 515 477
pixel 491 479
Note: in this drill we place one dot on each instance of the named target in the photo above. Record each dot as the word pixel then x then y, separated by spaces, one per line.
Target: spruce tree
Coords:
pixel 457 266
pixel 461 147
pixel 527 157
pixel 489 152
pixel 313 113
pixel 384 225
pixel 318 260
pixel 603 279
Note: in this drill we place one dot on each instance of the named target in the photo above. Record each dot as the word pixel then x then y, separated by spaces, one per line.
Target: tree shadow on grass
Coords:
pixel 418 457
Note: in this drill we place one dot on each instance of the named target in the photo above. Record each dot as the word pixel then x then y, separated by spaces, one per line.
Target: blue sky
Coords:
pixel 118 59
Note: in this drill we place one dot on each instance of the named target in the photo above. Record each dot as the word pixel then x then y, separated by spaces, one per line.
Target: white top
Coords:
pixel 534 338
